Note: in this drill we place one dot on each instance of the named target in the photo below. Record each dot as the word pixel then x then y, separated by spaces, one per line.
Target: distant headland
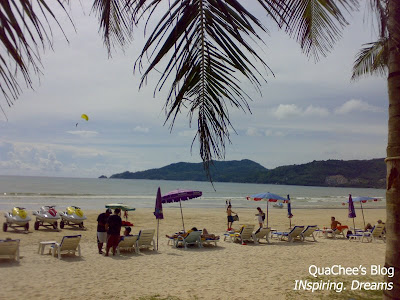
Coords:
pixel 330 173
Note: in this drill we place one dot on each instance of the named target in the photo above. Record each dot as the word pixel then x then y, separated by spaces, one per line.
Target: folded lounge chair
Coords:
pixel 69 244
pixel 263 233
pixel 127 243
pixel 193 238
pixel 145 240
pixel 309 232
pixel 291 235
pixel 9 249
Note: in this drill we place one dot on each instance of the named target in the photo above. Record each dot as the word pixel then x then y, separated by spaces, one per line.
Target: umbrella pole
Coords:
pixel 354 226
pixel 267 213
pixel 362 211
pixel 158 226
pixel 183 223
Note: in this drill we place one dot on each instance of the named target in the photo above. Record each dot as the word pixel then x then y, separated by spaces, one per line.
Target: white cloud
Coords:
pixel 286 110
pixel 277 133
pixel 251 131
pixel 84 133
pixel 290 110
pixel 357 105
pixel 141 129
pixel 316 111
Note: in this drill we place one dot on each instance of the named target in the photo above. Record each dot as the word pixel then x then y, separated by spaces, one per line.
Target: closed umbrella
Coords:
pixel 269 197
pixel 158 211
pixel 178 196
pixel 352 212
pixel 289 211
pixel 362 200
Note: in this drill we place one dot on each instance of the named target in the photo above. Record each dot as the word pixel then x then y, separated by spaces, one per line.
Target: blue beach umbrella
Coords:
pixel 270 197
pixel 362 200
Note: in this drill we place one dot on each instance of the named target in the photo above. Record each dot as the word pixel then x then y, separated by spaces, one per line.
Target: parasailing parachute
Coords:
pixel 83 116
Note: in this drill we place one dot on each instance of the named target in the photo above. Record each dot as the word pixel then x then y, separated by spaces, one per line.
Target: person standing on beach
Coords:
pixel 114 225
pixel 260 217
pixel 101 229
pixel 230 217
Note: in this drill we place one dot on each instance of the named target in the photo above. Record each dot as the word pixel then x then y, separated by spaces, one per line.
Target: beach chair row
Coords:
pixel 247 234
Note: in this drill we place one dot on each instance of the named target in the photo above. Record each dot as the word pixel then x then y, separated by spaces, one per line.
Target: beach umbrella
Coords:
pixel 269 197
pixel 289 211
pixel 178 196
pixel 362 200
pixel 352 212
pixel 158 211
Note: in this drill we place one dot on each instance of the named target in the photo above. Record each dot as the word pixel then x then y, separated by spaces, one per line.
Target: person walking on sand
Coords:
pixel 114 225
pixel 229 212
pixel 260 217
pixel 101 229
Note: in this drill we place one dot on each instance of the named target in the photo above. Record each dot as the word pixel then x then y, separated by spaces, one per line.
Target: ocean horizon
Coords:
pixel 32 192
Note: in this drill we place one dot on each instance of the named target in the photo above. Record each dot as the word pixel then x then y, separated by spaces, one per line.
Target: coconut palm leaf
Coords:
pixel 372 60
pixel 24 31
pixel 316 24
pixel 204 48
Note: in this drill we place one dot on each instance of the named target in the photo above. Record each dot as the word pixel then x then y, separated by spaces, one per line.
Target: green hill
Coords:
pixel 352 173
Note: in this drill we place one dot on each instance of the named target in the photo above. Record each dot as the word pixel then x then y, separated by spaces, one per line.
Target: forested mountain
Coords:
pixel 354 173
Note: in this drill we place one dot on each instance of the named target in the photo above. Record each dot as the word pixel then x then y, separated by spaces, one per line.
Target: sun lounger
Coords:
pixel 69 244
pixel 193 238
pixel 263 233
pixel 145 240
pixel 375 234
pixel 245 234
pixel 330 233
pixel 127 243
pixel 291 235
pixel 9 249
pixel 309 232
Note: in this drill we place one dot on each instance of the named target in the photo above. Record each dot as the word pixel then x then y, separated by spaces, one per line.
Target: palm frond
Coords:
pixel 372 60
pixel 316 24
pixel 25 31
pixel 208 50
pixel 115 18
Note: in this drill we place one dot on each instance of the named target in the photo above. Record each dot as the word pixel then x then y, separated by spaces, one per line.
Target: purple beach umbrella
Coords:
pixel 158 211
pixel 178 196
pixel 352 212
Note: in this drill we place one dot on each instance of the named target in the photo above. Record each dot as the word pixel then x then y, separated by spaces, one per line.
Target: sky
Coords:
pixel 307 111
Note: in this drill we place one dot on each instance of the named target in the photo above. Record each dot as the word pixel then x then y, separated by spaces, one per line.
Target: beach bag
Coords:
pixel 235 218
pixel 349 232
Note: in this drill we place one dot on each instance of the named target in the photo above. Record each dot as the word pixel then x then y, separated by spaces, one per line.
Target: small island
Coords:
pixel 103 177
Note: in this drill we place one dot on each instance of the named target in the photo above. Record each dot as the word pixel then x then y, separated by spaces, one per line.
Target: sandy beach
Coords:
pixel 228 271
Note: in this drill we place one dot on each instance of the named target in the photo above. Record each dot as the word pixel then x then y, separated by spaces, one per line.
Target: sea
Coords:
pixel 94 194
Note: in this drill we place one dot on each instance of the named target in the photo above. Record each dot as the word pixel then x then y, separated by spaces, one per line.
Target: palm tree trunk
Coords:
pixel 393 153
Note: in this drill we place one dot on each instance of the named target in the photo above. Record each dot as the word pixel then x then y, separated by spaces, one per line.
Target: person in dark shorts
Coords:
pixel 114 224
pixel 101 229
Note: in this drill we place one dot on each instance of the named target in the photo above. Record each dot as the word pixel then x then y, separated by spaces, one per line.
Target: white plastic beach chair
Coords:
pixel 127 243
pixel 375 234
pixel 9 249
pixel 291 235
pixel 145 240
pixel 69 244
pixel 309 232
pixel 193 238
pixel 245 234
pixel 263 233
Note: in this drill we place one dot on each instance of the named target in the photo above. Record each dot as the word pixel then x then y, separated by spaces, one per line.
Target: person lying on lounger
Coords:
pixel 184 234
pixel 205 235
